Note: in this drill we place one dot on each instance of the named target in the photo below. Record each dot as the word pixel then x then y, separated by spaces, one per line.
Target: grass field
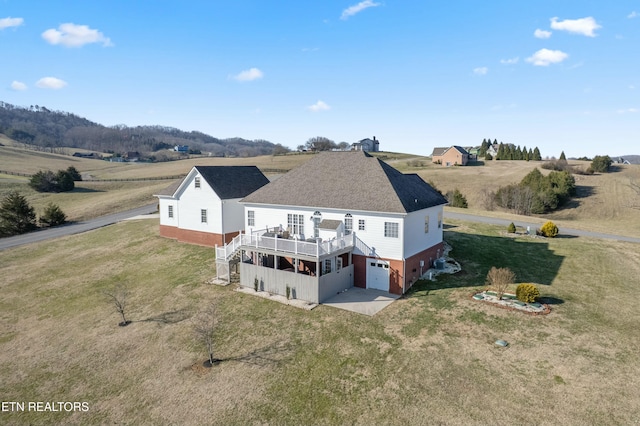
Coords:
pixel 427 358
pixel 608 203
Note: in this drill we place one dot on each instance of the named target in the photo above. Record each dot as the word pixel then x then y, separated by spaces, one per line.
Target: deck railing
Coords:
pixel 290 246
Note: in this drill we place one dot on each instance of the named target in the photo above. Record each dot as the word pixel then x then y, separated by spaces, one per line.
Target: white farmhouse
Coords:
pixel 342 219
pixel 204 207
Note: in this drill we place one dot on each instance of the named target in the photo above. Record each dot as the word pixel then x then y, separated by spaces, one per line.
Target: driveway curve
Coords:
pixel 74 228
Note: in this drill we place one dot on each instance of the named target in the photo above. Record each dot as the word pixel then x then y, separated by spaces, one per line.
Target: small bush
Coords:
pixel 511 228
pixel 53 216
pixel 549 230
pixel 456 199
pixel 499 279
pixel 527 293
pixel 255 284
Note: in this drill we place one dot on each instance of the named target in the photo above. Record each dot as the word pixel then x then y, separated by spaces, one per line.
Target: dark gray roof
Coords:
pixel 349 181
pixel 460 149
pixel 233 181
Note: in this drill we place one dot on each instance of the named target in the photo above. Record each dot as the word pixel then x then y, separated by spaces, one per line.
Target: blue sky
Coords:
pixel 560 75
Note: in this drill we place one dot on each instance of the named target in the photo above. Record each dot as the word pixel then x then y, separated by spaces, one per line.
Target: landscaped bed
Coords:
pixel 510 302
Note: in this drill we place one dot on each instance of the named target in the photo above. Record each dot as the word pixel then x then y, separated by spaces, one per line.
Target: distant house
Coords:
pixel 318 231
pixel 132 156
pixel 181 148
pixel 452 156
pixel 204 207
pixel 620 160
pixel 367 145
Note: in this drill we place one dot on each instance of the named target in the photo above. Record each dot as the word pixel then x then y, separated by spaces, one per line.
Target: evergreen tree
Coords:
pixel 562 156
pixel 501 155
pixel 75 174
pixel 53 216
pixel 525 153
pixel 65 181
pixel 536 154
pixel 16 215
pixel 518 154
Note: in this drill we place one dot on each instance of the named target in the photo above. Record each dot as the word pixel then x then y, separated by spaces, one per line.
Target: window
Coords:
pixel 426 224
pixel 170 211
pixel 327 266
pixel 196 182
pixel 251 218
pixel 361 226
pixel 391 229
pixel 203 216
pixel 348 224
pixel 295 222
pixel 439 220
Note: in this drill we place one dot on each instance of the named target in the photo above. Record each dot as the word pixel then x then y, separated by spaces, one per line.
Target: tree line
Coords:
pixel 41 127
pixel 508 151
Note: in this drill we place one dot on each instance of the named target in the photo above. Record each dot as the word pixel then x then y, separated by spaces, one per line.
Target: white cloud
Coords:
pixel 319 106
pixel 357 8
pixel 18 85
pixel 632 87
pixel 249 75
pixel 51 83
pixel 584 26
pixel 633 14
pixel 628 110
pixel 10 22
pixel 545 57
pixel 510 61
pixel 538 33
pixel 481 71
pixel 72 35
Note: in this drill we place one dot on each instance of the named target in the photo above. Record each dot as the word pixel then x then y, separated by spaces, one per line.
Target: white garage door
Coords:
pixel 377 274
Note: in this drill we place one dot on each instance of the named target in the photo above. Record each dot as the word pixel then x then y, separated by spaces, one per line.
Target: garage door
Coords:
pixel 377 274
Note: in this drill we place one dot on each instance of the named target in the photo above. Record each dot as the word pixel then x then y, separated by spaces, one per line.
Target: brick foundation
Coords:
pixel 196 237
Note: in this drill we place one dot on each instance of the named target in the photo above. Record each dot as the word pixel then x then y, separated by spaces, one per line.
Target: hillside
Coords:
pixel 41 127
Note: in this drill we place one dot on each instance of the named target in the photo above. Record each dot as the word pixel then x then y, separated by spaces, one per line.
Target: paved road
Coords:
pixel 533 225
pixel 74 228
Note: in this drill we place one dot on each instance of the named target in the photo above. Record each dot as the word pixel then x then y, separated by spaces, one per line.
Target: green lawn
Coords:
pixel 428 358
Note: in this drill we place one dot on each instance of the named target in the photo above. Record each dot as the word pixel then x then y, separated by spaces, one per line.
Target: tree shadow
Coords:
pixel 170 317
pixel 85 190
pixel 550 300
pixel 264 356
pixel 475 163
pixel 530 259
pixel 582 191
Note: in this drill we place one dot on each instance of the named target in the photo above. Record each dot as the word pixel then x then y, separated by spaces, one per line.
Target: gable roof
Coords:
pixel 349 181
pixel 228 182
pixel 438 151
pixel 233 181
pixel 460 149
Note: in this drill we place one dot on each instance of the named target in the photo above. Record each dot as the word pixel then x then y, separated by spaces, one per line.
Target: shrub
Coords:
pixel 456 199
pixel 255 283
pixel 549 230
pixel 499 279
pixel 527 293
pixel 16 215
pixel 53 216
pixel 511 228
pixel 601 163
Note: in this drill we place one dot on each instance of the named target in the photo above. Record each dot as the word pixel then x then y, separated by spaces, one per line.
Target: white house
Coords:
pixel 372 145
pixel 204 207
pixel 342 219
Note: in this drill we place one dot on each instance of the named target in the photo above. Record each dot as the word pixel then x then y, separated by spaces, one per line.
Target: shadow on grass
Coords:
pixel 550 300
pixel 582 191
pixel 171 317
pixel 265 356
pixel 86 190
pixel 530 259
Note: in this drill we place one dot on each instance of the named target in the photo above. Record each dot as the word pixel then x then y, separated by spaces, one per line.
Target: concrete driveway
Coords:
pixel 362 301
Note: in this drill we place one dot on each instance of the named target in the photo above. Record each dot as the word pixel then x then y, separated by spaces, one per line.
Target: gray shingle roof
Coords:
pixel 438 151
pixel 349 181
pixel 233 181
pixel 329 224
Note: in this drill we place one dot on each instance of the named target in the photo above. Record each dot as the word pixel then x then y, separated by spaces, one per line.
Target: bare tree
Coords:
pixel 205 326
pixel 119 295
pixel 499 279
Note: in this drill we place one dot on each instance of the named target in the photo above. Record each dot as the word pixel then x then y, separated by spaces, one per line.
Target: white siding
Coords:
pixel 163 206
pixel 192 200
pixel 415 239
pixel 233 215
pixel 372 236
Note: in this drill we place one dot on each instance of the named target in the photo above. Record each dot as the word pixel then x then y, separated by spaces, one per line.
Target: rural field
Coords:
pixel 428 358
